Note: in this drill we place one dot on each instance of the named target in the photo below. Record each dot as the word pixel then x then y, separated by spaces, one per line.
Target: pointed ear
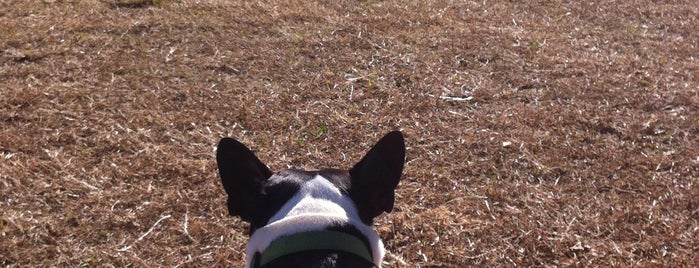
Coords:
pixel 242 175
pixel 376 176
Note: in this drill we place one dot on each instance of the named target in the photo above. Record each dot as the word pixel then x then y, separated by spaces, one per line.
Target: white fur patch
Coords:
pixel 317 205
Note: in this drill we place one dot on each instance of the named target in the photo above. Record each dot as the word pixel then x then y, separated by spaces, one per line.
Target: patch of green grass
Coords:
pixel 140 3
pixel 321 131
pixel 535 45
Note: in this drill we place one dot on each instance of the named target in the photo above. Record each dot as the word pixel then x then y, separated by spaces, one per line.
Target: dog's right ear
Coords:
pixel 242 175
pixel 376 176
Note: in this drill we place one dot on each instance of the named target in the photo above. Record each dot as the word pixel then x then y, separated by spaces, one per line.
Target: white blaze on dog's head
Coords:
pixel 318 196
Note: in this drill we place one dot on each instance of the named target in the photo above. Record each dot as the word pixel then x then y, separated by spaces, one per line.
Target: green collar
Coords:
pixel 313 240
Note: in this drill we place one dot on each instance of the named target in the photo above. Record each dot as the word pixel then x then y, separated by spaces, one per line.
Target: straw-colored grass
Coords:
pixel 539 133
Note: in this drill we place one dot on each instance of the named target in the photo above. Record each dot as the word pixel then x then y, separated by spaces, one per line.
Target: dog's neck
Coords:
pixel 318 205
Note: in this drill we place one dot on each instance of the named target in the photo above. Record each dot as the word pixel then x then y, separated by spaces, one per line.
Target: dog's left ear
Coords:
pixel 242 175
pixel 376 176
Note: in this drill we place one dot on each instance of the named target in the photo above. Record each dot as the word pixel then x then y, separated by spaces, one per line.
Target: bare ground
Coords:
pixel 539 133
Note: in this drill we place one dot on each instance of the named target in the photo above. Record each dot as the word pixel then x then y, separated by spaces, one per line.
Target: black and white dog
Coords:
pixel 316 218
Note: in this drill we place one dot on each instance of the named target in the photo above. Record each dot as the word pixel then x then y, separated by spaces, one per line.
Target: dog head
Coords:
pixel 291 202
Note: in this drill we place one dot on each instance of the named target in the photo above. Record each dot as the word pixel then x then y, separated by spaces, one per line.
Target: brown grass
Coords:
pixel 539 133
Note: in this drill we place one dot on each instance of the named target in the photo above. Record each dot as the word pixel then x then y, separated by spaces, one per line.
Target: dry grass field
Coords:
pixel 540 133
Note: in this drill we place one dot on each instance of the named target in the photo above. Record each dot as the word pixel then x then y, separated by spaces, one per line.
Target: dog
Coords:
pixel 317 218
